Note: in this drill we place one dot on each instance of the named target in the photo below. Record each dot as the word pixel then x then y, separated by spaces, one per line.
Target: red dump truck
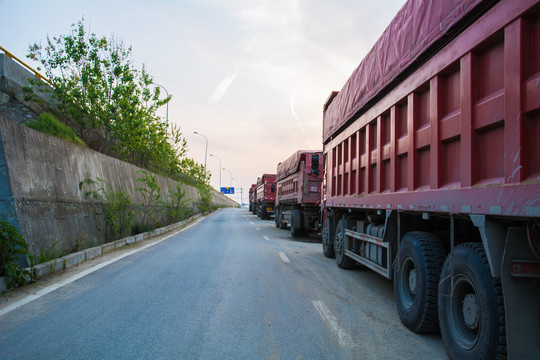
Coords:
pixel 298 182
pixel 432 172
pixel 266 196
pixel 253 198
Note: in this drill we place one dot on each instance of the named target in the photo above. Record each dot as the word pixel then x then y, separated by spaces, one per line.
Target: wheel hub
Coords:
pixel 471 312
pixel 412 281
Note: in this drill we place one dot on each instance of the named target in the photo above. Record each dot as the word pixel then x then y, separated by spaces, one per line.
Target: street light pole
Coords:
pixel 167 109
pixel 219 170
pixel 205 150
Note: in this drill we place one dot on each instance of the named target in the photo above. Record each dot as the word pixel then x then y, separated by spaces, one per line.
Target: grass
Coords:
pixel 50 125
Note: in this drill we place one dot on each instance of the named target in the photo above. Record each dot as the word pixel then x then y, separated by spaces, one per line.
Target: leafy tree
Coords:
pixel 172 163
pixel 195 171
pixel 93 81
pixel 95 85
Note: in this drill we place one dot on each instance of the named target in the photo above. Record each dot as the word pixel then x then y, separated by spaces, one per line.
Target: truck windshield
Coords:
pixel 315 165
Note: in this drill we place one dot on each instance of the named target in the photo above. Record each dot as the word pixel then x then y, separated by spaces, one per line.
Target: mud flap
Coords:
pixel 521 297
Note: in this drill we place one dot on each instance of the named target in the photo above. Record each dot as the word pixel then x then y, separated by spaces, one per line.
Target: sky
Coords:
pixel 250 75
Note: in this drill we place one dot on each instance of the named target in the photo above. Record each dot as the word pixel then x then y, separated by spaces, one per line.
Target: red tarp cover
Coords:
pixel 417 25
pixel 290 166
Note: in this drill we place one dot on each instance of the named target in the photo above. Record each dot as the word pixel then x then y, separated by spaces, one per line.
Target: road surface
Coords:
pixel 228 287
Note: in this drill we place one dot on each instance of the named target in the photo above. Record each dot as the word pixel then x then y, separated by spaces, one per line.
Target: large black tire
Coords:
pixel 342 261
pixel 420 260
pixel 277 217
pixel 473 320
pixel 264 214
pixel 327 244
pixel 296 223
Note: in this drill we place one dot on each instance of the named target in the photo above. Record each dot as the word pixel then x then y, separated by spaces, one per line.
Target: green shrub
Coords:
pixel 177 204
pixel 116 206
pixel 50 125
pixel 47 253
pixel 139 228
pixel 119 214
pixel 205 198
pixel 12 246
pixel 152 197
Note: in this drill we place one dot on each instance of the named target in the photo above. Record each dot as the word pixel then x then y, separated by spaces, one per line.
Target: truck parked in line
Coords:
pixel 298 182
pixel 432 172
pixel 266 196
pixel 253 199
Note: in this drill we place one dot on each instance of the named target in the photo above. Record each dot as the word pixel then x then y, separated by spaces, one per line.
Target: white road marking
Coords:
pixel 284 257
pixel 256 228
pixel 344 339
pixel 82 274
pixel 266 238
pixel 251 222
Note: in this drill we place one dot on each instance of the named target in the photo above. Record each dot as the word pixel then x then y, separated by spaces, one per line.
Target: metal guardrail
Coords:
pixel 11 56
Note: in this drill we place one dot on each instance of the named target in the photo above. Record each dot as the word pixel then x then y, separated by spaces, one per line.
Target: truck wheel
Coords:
pixel 263 213
pixel 296 223
pixel 282 224
pixel 420 259
pixel 473 320
pixel 277 217
pixel 327 246
pixel 342 260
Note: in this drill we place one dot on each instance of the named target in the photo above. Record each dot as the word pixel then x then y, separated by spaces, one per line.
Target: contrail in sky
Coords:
pixel 300 125
pixel 217 95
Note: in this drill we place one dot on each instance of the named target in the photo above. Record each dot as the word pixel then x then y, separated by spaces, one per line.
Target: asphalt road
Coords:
pixel 229 287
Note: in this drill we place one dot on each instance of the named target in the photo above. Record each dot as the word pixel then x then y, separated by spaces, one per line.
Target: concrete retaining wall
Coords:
pixel 39 188
pixel 40 175
pixel 13 106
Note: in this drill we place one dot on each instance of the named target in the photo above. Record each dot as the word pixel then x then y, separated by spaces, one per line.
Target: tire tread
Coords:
pixel 433 254
pixel 478 249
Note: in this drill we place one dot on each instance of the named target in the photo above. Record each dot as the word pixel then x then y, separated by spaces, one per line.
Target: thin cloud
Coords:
pixel 222 88
pixel 299 124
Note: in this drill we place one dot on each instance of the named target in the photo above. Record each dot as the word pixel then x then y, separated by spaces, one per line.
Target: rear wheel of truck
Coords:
pixel 472 320
pixel 277 217
pixel 420 260
pixel 264 215
pixel 296 223
pixel 342 260
pixel 327 245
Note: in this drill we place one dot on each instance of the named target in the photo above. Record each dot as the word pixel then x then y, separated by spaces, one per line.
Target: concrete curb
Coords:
pixel 75 259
